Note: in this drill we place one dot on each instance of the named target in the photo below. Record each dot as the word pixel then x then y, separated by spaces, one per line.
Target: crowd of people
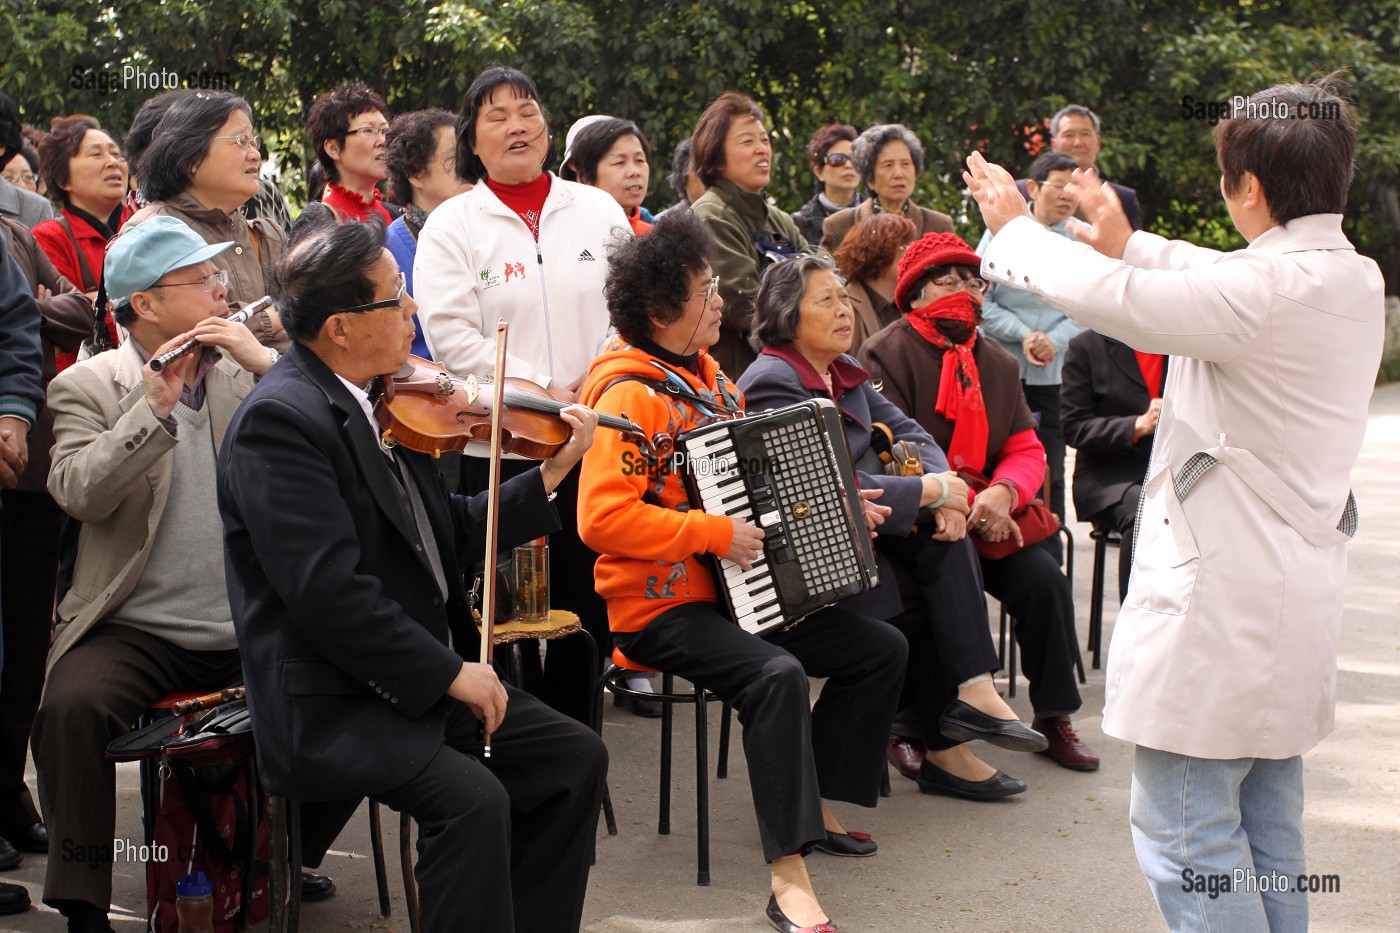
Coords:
pixel 333 576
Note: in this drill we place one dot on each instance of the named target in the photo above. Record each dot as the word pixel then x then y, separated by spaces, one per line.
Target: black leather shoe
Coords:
pixel 851 845
pixel 9 856
pixel 32 838
pixel 14 899
pixel 964 722
pixel 781 923
pixel 647 709
pixel 316 887
pixel 934 780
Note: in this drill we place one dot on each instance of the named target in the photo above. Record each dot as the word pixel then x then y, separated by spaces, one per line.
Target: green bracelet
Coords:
pixel 938 503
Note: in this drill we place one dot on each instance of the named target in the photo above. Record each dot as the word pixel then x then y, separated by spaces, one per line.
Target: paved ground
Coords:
pixel 1057 858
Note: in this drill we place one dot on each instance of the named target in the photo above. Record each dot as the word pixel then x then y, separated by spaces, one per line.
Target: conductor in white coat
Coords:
pixel 1223 664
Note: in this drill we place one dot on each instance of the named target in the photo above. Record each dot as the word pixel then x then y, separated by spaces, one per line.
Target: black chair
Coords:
pixel 613 680
pixel 1008 625
pixel 1103 539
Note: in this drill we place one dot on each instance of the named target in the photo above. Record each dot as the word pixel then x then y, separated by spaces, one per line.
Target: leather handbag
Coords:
pixel 1033 518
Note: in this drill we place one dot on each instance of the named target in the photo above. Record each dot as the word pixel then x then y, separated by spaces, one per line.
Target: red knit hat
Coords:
pixel 931 249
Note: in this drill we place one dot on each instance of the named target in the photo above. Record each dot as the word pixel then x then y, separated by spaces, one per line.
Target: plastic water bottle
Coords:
pixel 194 903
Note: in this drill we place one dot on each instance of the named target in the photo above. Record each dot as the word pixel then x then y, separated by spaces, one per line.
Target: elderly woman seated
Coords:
pixel 802 328
pixel 966 392
pixel 663 608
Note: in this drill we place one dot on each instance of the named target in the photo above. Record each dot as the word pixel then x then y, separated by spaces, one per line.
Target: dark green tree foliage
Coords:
pixel 961 77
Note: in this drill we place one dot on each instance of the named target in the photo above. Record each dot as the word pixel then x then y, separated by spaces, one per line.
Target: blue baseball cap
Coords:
pixel 138 258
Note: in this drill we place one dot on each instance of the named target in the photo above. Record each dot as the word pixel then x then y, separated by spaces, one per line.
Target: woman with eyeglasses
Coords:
pixel 978 414
pixel 889 159
pixel 20 173
pixel 838 182
pixel 663 298
pixel 200 167
pixel 869 262
pixel 348 126
pixel 420 156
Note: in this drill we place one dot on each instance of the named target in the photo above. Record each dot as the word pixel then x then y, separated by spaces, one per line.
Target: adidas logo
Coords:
pixel 586 256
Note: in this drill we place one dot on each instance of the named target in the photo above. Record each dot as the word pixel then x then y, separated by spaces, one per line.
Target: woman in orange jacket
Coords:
pixel 662 603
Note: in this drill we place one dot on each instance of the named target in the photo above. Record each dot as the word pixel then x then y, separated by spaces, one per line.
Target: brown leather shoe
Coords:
pixel 907 755
pixel 1065 748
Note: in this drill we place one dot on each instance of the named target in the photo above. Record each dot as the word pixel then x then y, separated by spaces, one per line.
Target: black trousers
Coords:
pixel 1045 401
pixel 566 680
pixel 94 694
pixel 946 626
pixel 1037 594
pixel 30 523
pixel 1123 518
pixel 505 843
pixel 797 754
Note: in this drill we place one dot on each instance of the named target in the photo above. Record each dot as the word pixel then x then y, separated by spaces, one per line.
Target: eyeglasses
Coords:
pixel 19 178
pixel 1053 184
pixel 954 281
pixel 395 302
pixel 209 281
pixel 839 158
pixel 367 131
pixel 244 141
pixel 709 292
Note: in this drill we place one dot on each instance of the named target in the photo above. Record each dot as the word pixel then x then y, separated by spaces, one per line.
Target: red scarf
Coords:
pixel 959 386
pixel 1151 365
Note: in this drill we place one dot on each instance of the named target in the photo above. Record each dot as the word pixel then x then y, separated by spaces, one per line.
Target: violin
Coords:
pixel 425 408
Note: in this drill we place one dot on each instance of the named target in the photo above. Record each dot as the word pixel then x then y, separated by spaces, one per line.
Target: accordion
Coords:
pixel 788 471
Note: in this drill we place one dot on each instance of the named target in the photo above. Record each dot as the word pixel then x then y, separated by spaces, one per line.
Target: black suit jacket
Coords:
pixel 343 630
pixel 1101 394
pixel 1127 196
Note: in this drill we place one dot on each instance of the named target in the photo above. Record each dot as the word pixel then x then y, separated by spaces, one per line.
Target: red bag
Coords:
pixel 211 815
pixel 1033 518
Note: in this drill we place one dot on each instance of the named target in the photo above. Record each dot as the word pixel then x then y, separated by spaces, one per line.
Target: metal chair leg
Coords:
pixel 702 787
pixel 722 771
pixel 663 820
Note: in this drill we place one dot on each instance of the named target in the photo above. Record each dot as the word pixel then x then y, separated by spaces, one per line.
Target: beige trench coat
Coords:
pixel 111 471
pixel 1226 646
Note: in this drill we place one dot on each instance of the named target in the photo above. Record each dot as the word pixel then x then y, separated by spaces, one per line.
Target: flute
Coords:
pixel 238 317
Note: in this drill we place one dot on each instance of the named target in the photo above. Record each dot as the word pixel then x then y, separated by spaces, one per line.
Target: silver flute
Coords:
pixel 238 317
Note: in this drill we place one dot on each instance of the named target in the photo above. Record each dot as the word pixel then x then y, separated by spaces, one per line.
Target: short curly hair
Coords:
pixel 873 244
pixel 409 147
pixel 330 116
pixel 649 276
pixel 65 138
pixel 866 149
pixel 824 138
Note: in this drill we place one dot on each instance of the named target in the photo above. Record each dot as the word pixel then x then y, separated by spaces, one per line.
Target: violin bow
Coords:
pixel 488 576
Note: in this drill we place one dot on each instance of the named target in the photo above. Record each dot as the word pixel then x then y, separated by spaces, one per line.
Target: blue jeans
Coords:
pixel 1217 838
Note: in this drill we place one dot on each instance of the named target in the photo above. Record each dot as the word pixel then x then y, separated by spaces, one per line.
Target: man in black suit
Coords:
pixel 1074 130
pixel 1110 399
pixel 345 564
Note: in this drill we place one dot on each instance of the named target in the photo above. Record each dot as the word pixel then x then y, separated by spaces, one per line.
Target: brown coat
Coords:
pixel 907 368
pixel 67 320
pixel 258 247
pixel 872 313
pixel 835 227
